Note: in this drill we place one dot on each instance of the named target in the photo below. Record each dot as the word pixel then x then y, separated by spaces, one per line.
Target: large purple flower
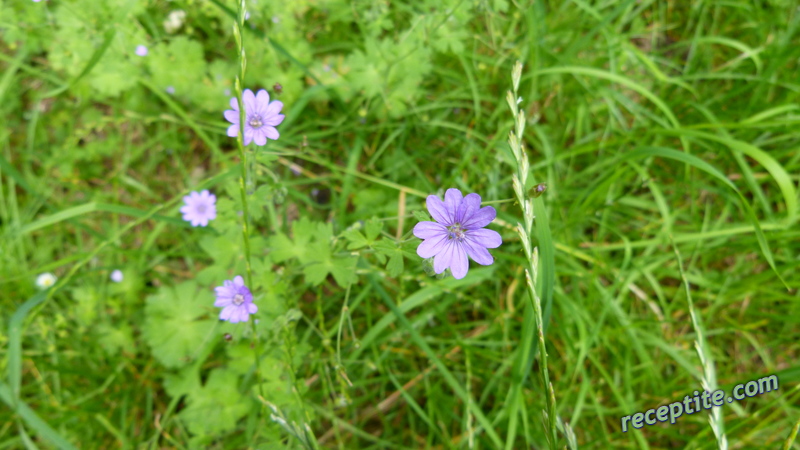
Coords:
pixel 235 300
pixel 199 208
pixel 261 117
pixel 457 233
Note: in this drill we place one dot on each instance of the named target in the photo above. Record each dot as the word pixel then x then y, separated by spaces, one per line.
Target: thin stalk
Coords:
pixel 238 27
pixel 531 254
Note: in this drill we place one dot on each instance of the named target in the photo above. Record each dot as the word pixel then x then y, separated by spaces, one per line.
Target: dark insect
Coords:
pixel 228 337
pixel 277 88
pixel 538 189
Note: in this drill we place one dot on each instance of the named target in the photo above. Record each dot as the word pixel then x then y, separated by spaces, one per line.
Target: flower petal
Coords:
pixel 438 211
pixel 233 130
pixel 231 116
pixel 262 99
pixel 470 204
pixel 222 302
pixel 459 264
pixel 444 258
pixel 274 120
pixel 260 137
pixel 452 201
pixel 271 133
pixel 238 281
pixel 252 308
pixel 485 238
pixel 273 108
pixel 249 100
pixel 226 312
pixel 234 103
pixel 432 247
pixel 244 316
pixel 480 218
pixel 224 292
pixel 477 252
pixel 427 230
pixel 248 135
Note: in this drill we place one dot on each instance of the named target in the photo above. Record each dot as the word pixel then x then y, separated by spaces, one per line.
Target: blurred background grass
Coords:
pixel 387 102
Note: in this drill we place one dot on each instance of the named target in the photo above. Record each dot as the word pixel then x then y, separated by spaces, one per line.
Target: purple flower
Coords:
pixel 170 90
pixel 261 117
pixel 199 208
pixel 117 276
pixel 141 50
pixel 459 233
pixel 235 300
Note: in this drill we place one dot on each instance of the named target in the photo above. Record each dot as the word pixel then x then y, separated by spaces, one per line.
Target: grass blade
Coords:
pixel 448 377
pixel 33 420
pixel 14 371
pixel 711 170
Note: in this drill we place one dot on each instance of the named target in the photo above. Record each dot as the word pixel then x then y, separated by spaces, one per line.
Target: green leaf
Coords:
pixel 116 339
pixel 344 271
pixel 395 252
pixel 174 328
pixel 217 406
pixel 395 265
pixel 422 216
pixel 107 39
pixel 284 248
pixel 357 240
pixel 373 229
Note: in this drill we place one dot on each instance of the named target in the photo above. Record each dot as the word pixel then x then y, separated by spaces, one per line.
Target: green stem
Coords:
pixel 242 188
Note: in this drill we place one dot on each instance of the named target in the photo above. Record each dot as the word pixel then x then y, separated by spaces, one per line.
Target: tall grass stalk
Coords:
pixel 709 379
pixel 238 28
pixel 531 254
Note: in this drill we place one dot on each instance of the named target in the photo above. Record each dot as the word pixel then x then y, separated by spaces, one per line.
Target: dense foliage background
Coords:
pixel 387 102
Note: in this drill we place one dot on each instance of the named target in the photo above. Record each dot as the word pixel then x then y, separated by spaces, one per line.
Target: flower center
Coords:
pixel 238 299
pixel 456 232
pixel 255 121
pixel 201 209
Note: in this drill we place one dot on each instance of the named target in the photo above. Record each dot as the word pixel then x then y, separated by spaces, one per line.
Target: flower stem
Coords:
pixel 238 27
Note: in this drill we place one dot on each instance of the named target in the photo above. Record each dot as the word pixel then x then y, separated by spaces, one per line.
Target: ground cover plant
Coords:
pixel 374 224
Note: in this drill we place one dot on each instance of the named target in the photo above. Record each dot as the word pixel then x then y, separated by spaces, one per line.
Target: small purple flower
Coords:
pixel 261 117
pixel 170 90
pixel 117 276
pixel 235 300
pixel 141 50
pixel 457 233
pixel 199 208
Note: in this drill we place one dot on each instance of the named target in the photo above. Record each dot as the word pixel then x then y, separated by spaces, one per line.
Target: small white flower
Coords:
pixel 116 276
pixel 45 280
pixel 174 21
pixel 519 100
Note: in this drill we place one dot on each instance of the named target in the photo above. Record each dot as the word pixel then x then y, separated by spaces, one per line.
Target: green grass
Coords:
pixel 667 135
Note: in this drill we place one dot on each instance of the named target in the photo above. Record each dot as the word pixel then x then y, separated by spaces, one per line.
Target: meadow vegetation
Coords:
pixel 649 151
